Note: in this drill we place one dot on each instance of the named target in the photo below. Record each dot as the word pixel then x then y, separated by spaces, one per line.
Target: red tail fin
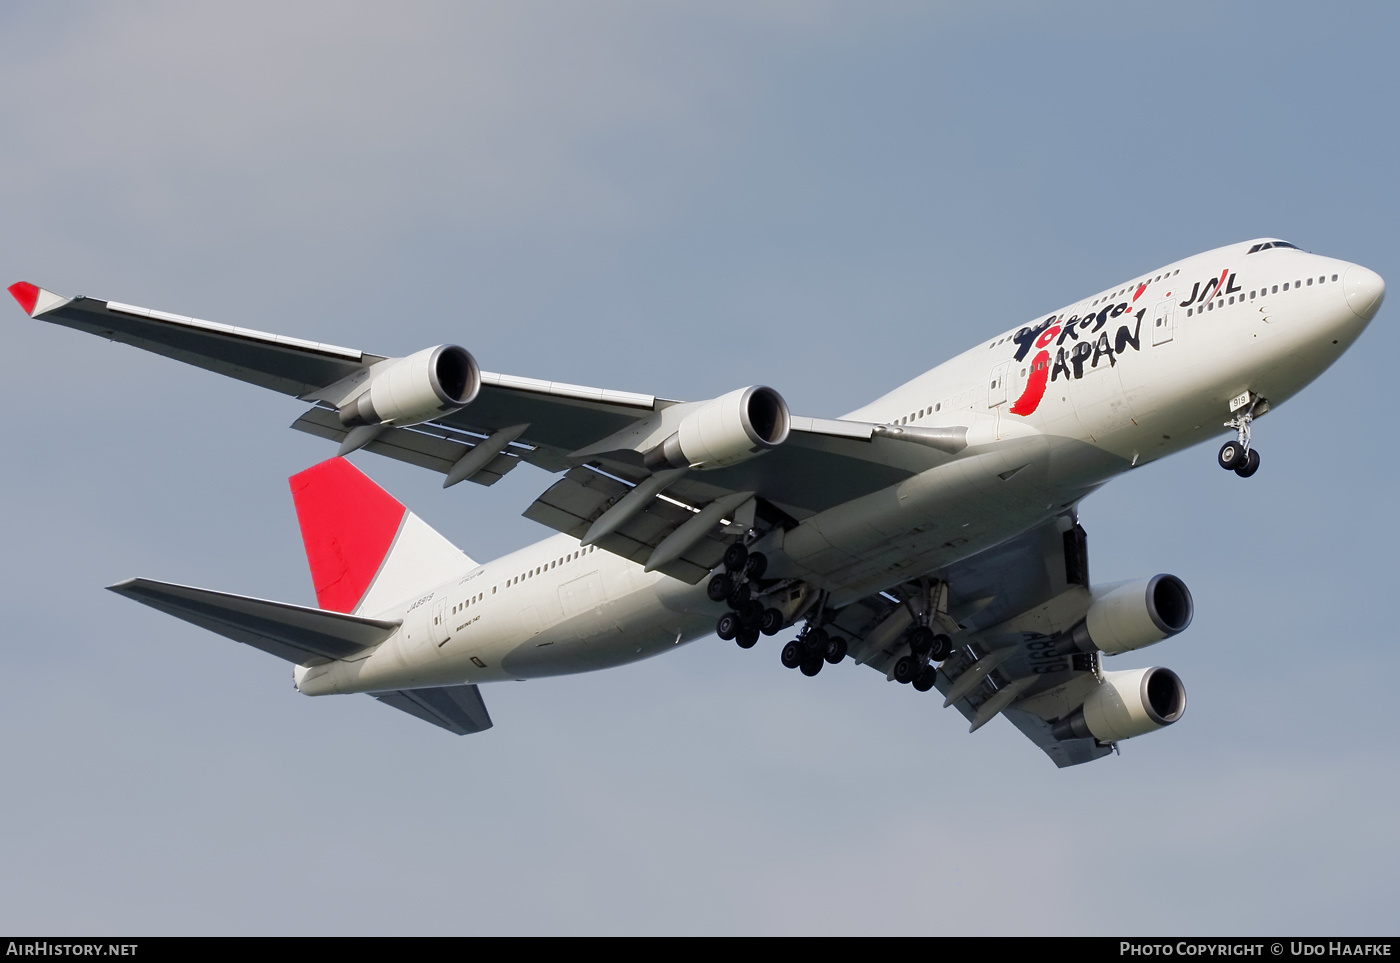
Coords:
pixel 348 524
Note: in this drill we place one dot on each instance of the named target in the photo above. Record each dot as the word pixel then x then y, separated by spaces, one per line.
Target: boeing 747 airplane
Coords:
pixel 932 535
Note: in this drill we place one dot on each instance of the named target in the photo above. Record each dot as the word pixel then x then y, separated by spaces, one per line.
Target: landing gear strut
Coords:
pixel 927 646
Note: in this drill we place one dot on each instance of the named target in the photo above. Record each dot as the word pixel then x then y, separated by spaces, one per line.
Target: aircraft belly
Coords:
pixel 636 626
pixel 943 515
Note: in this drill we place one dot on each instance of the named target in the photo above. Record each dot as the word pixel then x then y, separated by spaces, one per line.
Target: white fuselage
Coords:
pixel 1122 378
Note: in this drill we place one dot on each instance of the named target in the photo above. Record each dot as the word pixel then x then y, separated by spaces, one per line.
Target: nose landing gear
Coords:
pixel 1237 456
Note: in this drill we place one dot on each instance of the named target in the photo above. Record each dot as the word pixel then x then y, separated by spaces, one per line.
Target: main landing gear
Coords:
pixel 812 648
pixel 747 618
pixel 925 648
pixel 1237 456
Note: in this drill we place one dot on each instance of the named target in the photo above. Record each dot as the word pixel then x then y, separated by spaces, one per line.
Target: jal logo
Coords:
pixel 1221 286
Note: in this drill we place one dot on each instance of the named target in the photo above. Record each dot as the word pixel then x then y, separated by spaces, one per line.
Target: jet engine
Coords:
pixel 415 389
pixel 1126 704
pixel 727 430
pixel 1130 615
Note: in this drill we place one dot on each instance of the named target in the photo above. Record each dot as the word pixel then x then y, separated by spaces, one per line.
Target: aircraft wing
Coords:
pixel 596 437
pixel 1003 607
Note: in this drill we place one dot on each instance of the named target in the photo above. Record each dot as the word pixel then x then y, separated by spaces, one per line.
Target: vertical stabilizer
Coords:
pixel 366 550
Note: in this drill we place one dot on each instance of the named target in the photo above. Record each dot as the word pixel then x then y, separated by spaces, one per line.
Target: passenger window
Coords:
pixel 1309 282
pixel 1275 289
pixel 1334 277
pixel 1285 285
pixel 1232 299
pixel 1188 314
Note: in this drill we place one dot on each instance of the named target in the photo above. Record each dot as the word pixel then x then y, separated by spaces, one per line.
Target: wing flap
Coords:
pixel 457 708
pixel 432 446
pixel 573 503
pixel 296 633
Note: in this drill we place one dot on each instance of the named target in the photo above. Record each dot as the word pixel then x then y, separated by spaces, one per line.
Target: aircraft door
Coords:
pixel 996 384
pixel 439 629
pixel 1162 322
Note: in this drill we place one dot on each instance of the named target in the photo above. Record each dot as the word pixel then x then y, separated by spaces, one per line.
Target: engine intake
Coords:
pixel 1131 615
pixel 415 389
pixel 1126 704
pixel 732 428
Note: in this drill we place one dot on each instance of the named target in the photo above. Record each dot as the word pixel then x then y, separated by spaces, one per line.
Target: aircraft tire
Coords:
pixel 904 670
pixel 735 556
pixel 1250 466
pixel 751 613
pixel 811 666
pixel 817 640
pixel 747 638
pixel 920 640
pixel 942 648
pixel 792 654
pixel 756 565
pixel 720 587
pixel 1231 455
pixel 835 650
pixel 728 626
pixel 925 679
pixel 772 622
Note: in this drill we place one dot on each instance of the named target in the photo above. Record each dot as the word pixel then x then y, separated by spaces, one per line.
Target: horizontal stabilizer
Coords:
pixel 456 708
pixel 296 633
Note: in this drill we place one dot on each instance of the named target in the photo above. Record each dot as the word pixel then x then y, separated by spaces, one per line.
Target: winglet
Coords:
pixel 34 299
pixel 26 294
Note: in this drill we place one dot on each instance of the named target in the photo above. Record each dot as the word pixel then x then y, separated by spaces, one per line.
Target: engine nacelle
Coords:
pixel 418 388
pixel 730 429
pixel 1126 704
pixel 1131 615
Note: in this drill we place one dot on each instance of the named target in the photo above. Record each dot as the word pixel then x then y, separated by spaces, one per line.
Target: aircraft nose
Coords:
pixel 1365 290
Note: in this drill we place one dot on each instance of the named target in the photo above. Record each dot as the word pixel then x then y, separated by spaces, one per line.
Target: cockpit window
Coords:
pixel 1268 244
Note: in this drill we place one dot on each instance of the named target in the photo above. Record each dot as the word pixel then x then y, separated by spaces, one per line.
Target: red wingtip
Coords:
pixel 26 294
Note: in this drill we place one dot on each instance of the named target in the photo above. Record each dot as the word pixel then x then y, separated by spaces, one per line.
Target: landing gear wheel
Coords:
pixel 739 597
pixel 920 640
pixel 925 679
pixel 904 670
pixel 1250 466
pixel 728 626
pixel 751 614
pixel 747 638
pixel 816 641
pixel 735 556
pixel 1232 455
pixel 756 565
pixel 720 587
pixel 811 666
pixel 835 649
pixel 792 654
pixel 772 622
pixel 942 648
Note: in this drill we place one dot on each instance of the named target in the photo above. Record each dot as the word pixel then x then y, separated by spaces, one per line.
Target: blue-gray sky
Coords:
pixel 678 199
